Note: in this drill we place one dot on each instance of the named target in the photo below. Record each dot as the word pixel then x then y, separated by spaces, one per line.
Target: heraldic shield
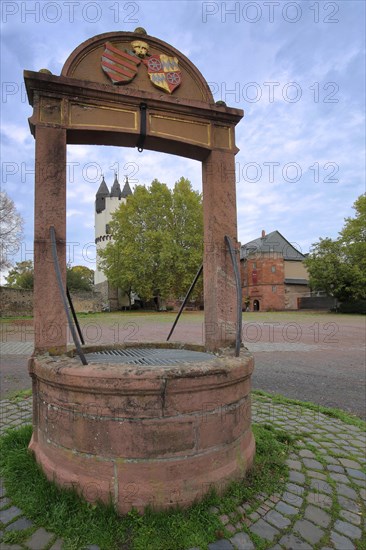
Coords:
pixel 164 72
pixel 120 66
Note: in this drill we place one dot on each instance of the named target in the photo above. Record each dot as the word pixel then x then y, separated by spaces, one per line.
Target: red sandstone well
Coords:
pixel 143 435
pixel 137 435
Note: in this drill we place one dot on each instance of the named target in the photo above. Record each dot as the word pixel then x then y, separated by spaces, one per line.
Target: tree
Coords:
pixel 11 230
pixel 353 235
pixel 78 277
pixel 157 241
pixel 339 266
pixel 21 276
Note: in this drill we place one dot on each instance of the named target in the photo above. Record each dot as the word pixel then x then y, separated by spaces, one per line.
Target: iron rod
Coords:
pixel 63 295
pixel 185 301
pixel 239 313
pixel 74 316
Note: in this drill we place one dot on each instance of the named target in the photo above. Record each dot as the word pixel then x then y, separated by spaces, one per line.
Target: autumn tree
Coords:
pixel 339 266
pixel 157 241
pixel 11 230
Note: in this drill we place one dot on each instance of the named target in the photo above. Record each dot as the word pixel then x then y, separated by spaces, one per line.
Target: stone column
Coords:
pixel 50 209
pixel 219 212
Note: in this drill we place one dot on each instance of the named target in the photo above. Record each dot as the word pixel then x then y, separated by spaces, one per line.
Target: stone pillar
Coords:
pixel 219 212
pixel 50 209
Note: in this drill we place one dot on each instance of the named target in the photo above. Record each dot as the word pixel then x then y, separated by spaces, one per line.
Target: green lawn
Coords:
pixel 79 523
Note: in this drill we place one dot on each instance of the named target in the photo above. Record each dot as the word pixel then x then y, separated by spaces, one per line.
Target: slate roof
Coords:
pixel 116 188
pixel 126 189
pixel 103 190
pixel 273 242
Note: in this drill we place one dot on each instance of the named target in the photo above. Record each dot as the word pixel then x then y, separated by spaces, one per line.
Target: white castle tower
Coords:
pixel 105 204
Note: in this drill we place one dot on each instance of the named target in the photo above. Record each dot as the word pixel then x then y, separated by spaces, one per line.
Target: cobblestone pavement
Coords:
pixel 322 506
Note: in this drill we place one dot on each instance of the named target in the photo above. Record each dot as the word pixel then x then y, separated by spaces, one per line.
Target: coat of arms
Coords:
pixel 164 72
pixel 121 66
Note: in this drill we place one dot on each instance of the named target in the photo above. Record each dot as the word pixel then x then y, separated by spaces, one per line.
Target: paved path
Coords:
pixel 332 378
pixel 308 356
pixel 323 505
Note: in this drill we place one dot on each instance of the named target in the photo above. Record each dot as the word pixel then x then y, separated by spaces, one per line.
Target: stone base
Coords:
pixel 157 436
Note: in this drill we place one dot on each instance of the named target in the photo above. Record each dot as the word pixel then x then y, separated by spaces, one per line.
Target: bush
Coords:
pixel 353 307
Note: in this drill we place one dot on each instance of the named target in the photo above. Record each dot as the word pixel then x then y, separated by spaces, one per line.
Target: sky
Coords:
pixel 295 68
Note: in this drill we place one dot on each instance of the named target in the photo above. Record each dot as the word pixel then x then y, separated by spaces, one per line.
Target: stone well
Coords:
pixel 145 425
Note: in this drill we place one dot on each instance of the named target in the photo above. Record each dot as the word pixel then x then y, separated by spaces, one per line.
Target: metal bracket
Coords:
pixel 142 136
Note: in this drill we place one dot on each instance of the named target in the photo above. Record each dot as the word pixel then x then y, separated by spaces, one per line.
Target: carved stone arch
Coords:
pixel 84 106
pixel 89 53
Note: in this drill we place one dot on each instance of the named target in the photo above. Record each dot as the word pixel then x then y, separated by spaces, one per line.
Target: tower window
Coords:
pixel 274 288
pixel 273 269
pixel 107 229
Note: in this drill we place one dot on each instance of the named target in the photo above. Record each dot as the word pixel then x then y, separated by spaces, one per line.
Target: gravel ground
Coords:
pixel 307 356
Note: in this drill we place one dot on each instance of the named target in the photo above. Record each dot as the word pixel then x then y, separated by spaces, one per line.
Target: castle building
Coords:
pixel 105 204
pixel 274 276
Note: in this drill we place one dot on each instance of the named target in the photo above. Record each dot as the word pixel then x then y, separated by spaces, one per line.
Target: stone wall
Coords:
pixel 87 301
pixel 16 302
pixel 294 294
pixel 112 298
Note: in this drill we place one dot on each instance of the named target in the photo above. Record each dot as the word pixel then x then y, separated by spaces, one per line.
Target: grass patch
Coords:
pixel 248 317
pixel 19 395
pixel 347 418
pixel 16 537
pixel 79 523
pixel 10 319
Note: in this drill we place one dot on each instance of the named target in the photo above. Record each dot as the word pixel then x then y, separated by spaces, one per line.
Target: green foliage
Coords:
pixel 353 307
pixel 78 277
pixel 21 275
pixel 339 266
pixel 19 395
pixel 157 242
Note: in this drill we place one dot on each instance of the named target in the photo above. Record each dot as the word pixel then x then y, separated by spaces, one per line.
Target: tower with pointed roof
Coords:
pixel 106 202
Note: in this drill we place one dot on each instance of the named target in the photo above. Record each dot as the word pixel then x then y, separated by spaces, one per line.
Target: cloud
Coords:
pixel 239 58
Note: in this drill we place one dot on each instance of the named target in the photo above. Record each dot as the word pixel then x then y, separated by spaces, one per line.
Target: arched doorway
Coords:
pixel 256 305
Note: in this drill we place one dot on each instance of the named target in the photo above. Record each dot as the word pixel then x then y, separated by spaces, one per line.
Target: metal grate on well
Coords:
pixel 148 356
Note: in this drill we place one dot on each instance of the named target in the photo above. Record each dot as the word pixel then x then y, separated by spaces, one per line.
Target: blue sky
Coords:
pixel 296 68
